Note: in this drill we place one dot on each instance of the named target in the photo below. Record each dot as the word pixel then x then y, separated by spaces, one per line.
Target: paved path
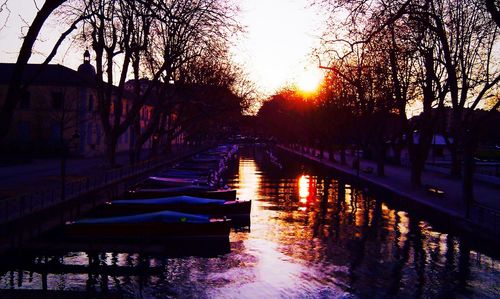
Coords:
pixel 397 180
pixel 42 174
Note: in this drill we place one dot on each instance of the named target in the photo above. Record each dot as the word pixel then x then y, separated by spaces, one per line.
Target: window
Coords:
pixel 57 100
pixel 25 102
pixel 91 103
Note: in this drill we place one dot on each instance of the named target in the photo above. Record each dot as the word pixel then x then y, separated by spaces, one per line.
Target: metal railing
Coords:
pixel 486 217
pixel 22 205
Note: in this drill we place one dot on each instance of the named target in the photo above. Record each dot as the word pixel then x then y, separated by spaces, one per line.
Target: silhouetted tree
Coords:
pixel 441 49
pixel 15 88
pixel 153 39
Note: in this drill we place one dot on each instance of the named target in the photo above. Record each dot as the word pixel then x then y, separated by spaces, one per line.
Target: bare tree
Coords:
pixel 493 8
pixel 452 44
pixel 15 88
pixel 466 40
pixel 4 13
pixel 184 33
pixel 120 32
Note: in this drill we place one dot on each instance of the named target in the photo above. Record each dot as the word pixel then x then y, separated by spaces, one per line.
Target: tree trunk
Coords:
pixel 63 161
pixel 137 151
pixel 468 178
pixel 397 148
pixel 63 175
pixel 456 164
pixel 155 145
pixel 380 152
pixel 134 157
pixel 493 10
pixel 168 146
pixel 380 161
pixel 331 154
pixel 131 155
pixel 416 174
pixel 111 149
pixel 419 151
pixel 418 155
pixel 342 154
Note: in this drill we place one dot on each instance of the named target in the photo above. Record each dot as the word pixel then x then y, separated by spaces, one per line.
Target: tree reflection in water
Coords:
pixel 312 235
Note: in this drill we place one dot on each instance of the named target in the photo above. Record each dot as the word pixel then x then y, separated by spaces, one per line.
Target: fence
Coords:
pixel 486 217
pixel 23 205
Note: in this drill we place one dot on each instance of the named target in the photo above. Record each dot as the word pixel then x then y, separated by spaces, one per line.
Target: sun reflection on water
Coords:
pixel 311 237
pixel 249 179
pixel 304 188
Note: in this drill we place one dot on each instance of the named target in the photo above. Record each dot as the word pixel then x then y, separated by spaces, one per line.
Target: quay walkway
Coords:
pixel 31 200
pixel 449 207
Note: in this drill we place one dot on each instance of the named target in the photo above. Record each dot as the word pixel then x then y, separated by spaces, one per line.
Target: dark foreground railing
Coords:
pixel 23 205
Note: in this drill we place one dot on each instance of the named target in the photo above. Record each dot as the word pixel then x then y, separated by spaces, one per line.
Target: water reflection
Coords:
pixel 304 188
pixel 249 178
pixel 313 236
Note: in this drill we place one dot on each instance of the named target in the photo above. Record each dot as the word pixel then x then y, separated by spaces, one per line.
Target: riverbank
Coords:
pixel 447 205
pixel 37 207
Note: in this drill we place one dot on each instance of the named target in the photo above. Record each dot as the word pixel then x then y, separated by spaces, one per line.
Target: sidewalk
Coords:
pixel 34 201
pixel 397 180
pixel 43 174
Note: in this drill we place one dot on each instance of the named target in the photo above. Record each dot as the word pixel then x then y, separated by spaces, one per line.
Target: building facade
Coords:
pixel 59 111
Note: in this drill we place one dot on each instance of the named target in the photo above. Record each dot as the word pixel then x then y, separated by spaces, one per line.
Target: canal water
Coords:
pixel 312 235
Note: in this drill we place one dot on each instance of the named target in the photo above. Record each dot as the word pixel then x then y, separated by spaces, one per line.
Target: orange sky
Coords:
pixel 274 51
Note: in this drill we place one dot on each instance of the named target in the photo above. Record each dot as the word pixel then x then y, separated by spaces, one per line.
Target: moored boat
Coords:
pixel 185 204
pixel 175 180
pixel 190 190
pixel 166 182
pixel 160 225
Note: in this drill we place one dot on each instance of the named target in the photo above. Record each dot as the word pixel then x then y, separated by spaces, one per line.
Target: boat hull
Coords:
pixel 227 209
pixel 167 192
pixel 150 230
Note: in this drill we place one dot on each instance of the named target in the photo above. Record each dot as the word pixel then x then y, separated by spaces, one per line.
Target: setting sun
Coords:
pixel 309 80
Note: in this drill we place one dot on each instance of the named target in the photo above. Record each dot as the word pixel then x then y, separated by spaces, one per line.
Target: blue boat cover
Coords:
pixel 162 216
pixel 184 173
pixel 190 200
pixel 178 189
pixel 175 180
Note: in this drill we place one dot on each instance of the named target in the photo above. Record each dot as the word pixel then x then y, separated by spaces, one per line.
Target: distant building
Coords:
pixel 60 107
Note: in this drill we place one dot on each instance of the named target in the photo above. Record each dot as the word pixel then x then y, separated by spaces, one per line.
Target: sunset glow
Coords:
pixel 275 49
pixel 309 80
pixel 250 148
